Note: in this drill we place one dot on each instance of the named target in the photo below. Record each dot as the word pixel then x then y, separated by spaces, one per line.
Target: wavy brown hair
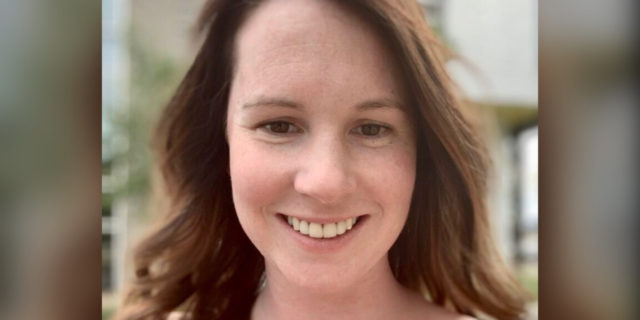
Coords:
pixel 201 261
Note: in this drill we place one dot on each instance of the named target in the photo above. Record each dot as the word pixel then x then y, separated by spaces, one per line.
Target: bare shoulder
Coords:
pixel 177 315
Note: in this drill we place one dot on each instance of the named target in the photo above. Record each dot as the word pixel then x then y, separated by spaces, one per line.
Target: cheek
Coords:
pixel 256 181
pixel 392 179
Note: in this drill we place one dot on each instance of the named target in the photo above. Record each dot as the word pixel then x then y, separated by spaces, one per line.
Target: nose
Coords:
pixel 325 172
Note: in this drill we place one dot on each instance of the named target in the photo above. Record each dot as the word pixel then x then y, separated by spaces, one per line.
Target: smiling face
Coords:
pixel 318 131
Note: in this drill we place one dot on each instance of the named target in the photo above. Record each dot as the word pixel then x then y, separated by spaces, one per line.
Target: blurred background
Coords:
pixel 147 47
pixel 55 218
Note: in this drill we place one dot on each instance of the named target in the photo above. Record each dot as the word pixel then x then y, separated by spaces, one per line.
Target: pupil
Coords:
pixel 370 130
pixel 280 127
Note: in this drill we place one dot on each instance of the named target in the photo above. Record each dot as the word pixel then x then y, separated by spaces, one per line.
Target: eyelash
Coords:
pixel 267 126
pixel 382 130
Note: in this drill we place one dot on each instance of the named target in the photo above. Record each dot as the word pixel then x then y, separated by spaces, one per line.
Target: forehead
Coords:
pixel 293 24
pixel 298 45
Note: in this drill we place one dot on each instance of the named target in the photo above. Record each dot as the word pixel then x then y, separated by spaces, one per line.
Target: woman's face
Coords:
pixel 317 132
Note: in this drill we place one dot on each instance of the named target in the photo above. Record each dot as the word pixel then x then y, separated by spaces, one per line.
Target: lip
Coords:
pixel 322 245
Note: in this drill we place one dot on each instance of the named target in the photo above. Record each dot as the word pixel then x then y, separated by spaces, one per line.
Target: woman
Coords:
pixel 319 166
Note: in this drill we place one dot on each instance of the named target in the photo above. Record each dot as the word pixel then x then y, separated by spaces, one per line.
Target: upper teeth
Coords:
pixel 321 230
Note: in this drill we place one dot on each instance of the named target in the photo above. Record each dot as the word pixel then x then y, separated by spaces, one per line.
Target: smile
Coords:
pixel 321 230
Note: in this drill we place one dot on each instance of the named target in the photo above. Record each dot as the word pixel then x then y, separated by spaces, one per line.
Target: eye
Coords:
pixel 280 127
pixel 371 130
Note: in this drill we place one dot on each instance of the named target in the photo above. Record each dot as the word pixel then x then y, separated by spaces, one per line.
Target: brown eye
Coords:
pixel 370 129
pixel 280 127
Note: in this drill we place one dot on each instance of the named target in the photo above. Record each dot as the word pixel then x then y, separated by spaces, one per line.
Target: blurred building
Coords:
pixel 115 102
pixel 497 69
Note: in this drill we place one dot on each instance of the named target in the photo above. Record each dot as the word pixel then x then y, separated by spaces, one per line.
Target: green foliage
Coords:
pixel 153 79
pixel 107 313
pixel 529 279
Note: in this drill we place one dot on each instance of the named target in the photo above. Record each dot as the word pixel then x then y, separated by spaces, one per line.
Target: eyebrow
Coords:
pixel 286 103
pixel 274 102
pixel 380 103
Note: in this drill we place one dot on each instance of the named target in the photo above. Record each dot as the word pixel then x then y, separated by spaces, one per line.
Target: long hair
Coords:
pixel 201 261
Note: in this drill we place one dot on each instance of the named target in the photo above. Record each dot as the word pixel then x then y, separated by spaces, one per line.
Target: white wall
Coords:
pixel 500 39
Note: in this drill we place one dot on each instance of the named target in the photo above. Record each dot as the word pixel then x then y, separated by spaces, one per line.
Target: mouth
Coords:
pixel 327 230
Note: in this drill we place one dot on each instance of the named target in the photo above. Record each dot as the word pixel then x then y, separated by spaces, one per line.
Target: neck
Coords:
pixel 377 295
